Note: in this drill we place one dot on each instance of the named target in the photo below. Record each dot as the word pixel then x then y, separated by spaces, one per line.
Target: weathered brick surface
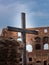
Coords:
pixel 10 34
pixel 38 56
pixel 10 51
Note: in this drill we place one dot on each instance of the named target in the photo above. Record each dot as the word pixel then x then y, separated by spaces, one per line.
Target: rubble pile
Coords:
pixel 10 51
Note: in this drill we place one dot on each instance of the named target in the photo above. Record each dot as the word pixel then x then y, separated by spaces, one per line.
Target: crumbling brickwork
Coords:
pixel 10 34
pixel 10 51
pixel 40 45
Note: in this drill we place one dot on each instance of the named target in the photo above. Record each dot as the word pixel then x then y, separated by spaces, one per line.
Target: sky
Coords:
pixel 37 13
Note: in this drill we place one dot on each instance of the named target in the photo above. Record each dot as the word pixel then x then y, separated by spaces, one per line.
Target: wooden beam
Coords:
pixel 22 30
pixel 23 38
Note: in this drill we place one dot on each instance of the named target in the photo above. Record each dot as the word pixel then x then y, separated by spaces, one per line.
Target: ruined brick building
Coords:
pixel 40 46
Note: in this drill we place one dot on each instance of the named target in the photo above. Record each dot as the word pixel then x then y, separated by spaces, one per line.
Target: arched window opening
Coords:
pixel 20 59
pixel 46 46
pixel 45 39
pixel 45 30
pixel 30 59
pixel 38 62
pixel 37 39
pixel 29 48
pixel 19 34
pixel 37 46
pixel 45 62
pixel 19 39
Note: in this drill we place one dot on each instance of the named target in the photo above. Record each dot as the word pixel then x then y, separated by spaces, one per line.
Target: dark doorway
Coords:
pixel 45 62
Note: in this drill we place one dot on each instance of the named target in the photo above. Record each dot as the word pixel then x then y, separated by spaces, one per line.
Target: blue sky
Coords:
pixel 37 13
